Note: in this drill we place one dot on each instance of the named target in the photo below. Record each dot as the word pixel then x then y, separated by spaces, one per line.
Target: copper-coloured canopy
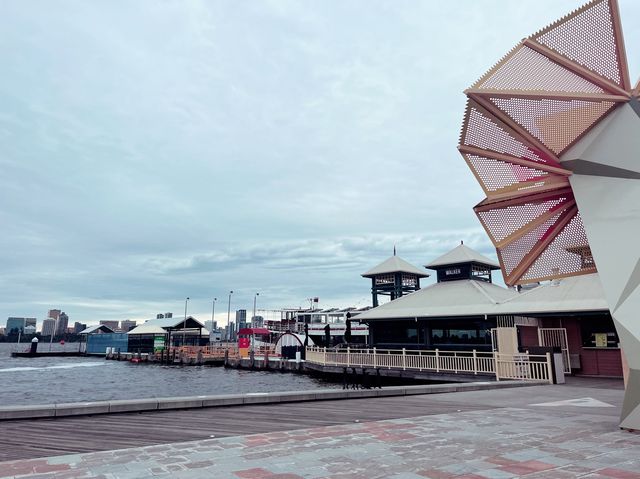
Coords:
pixel 522 115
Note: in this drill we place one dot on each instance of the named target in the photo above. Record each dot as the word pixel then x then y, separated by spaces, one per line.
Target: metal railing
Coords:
pixel 519 366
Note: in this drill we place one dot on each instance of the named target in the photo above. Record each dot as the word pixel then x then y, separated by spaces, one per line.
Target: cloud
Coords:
pixel 150 152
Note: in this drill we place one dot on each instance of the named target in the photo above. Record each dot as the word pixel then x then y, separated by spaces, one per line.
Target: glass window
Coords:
pixel 598 332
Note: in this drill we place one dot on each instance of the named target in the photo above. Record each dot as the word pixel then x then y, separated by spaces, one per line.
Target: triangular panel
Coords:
pixel 482 130
pixel 530 71
pixel 556 123
pixel 495 175
pixel 501 223
pixel 568 254
pixel 512 254
pixel 590 37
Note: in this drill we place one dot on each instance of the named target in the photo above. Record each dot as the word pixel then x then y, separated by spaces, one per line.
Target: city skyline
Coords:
pixel 279 148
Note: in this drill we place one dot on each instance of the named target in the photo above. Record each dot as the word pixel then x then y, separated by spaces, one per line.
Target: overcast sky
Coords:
pixel 154 150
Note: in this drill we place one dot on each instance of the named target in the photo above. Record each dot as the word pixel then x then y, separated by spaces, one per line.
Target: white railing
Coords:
pixel 502 366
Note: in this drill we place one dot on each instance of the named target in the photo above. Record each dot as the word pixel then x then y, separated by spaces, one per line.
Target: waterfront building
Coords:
pixel 464 310
pixel 22 325
pixel 394 277
pixel 127 325
pixel 62 324
pixel 48 326
pixel 180 331
pixel 97 339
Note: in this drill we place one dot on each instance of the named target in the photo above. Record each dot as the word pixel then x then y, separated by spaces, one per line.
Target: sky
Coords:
pixel 154 150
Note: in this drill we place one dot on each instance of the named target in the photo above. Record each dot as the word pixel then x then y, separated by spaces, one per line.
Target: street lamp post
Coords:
pixel 255 297
pixel 184 324
pixel 213 311
pixel 229 315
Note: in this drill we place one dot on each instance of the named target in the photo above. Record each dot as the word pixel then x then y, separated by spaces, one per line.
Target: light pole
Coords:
pixel 213 311
pixel 229 315
pixel 184 324
pixel 254 309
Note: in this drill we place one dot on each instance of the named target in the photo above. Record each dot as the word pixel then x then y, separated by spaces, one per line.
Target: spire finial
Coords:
pixel 394 250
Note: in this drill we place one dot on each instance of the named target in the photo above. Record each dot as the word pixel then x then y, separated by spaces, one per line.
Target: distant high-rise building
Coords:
pixel 48 326
pixel 79 327
pixel 63 324
pixel 127 325
pixel 211 325
pixel 257 321
pixel 110 324
pixel 54 313
pixel 241 318
pixel 22 325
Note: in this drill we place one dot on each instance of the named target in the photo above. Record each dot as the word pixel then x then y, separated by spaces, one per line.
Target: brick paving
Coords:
pixel 531 442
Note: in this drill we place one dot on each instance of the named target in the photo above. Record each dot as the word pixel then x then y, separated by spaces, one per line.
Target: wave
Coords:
pixel 44 368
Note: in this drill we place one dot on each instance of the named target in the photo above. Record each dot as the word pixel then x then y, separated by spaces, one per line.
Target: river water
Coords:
pixel 78 379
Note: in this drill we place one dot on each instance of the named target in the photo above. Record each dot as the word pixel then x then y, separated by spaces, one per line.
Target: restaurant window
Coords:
pixel 598 333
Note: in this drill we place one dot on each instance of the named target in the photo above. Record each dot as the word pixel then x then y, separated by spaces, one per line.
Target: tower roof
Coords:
pixel 462 254
pixel 395 264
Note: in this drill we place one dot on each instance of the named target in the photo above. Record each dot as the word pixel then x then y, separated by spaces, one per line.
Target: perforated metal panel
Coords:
pixel 512 255
pixel 558 259
pixel 483 131
pixel 588 37
pixel 501 223
pixel 495 175
pixel 557 123
pixel 528 70
pixel 536 102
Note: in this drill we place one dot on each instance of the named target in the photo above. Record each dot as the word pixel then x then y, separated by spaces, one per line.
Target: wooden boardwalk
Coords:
pixel 22 439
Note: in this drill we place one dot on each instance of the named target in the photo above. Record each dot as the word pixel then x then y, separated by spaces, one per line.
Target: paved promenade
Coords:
pixel 543 432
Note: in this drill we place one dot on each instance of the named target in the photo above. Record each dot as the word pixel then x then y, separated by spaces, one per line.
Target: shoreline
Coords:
pixel 44 411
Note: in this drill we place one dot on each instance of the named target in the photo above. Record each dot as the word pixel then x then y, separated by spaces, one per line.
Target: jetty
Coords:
pixel 44 354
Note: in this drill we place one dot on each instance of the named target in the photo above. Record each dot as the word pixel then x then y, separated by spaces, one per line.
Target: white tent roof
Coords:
pixel 395 264
pixel 473 298
pixel 462 254
pixel 147 328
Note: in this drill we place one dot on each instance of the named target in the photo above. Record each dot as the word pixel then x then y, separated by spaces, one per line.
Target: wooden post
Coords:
pixel 348 356
pixel 437 360
pixel 375 358
pixel 495 365
pixel 475 362
pixel 404 359
pixel 549 368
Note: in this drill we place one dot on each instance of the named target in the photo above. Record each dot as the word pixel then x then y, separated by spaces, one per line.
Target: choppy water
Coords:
pixel 56 380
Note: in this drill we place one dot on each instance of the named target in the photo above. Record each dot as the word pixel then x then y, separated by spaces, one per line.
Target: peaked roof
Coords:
pixel 96 329
pixel 474 298
pixel 462 254
pixel 466 297
pixel 175 322
pixel 395 264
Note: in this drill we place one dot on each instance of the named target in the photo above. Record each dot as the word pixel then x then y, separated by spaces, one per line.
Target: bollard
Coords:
pixel 34 347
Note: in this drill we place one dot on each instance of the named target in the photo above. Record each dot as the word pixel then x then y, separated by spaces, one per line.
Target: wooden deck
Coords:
pixel 31 438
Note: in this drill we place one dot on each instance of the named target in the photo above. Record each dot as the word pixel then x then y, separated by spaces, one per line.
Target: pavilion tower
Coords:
pixel 463 263
pixel 394 277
